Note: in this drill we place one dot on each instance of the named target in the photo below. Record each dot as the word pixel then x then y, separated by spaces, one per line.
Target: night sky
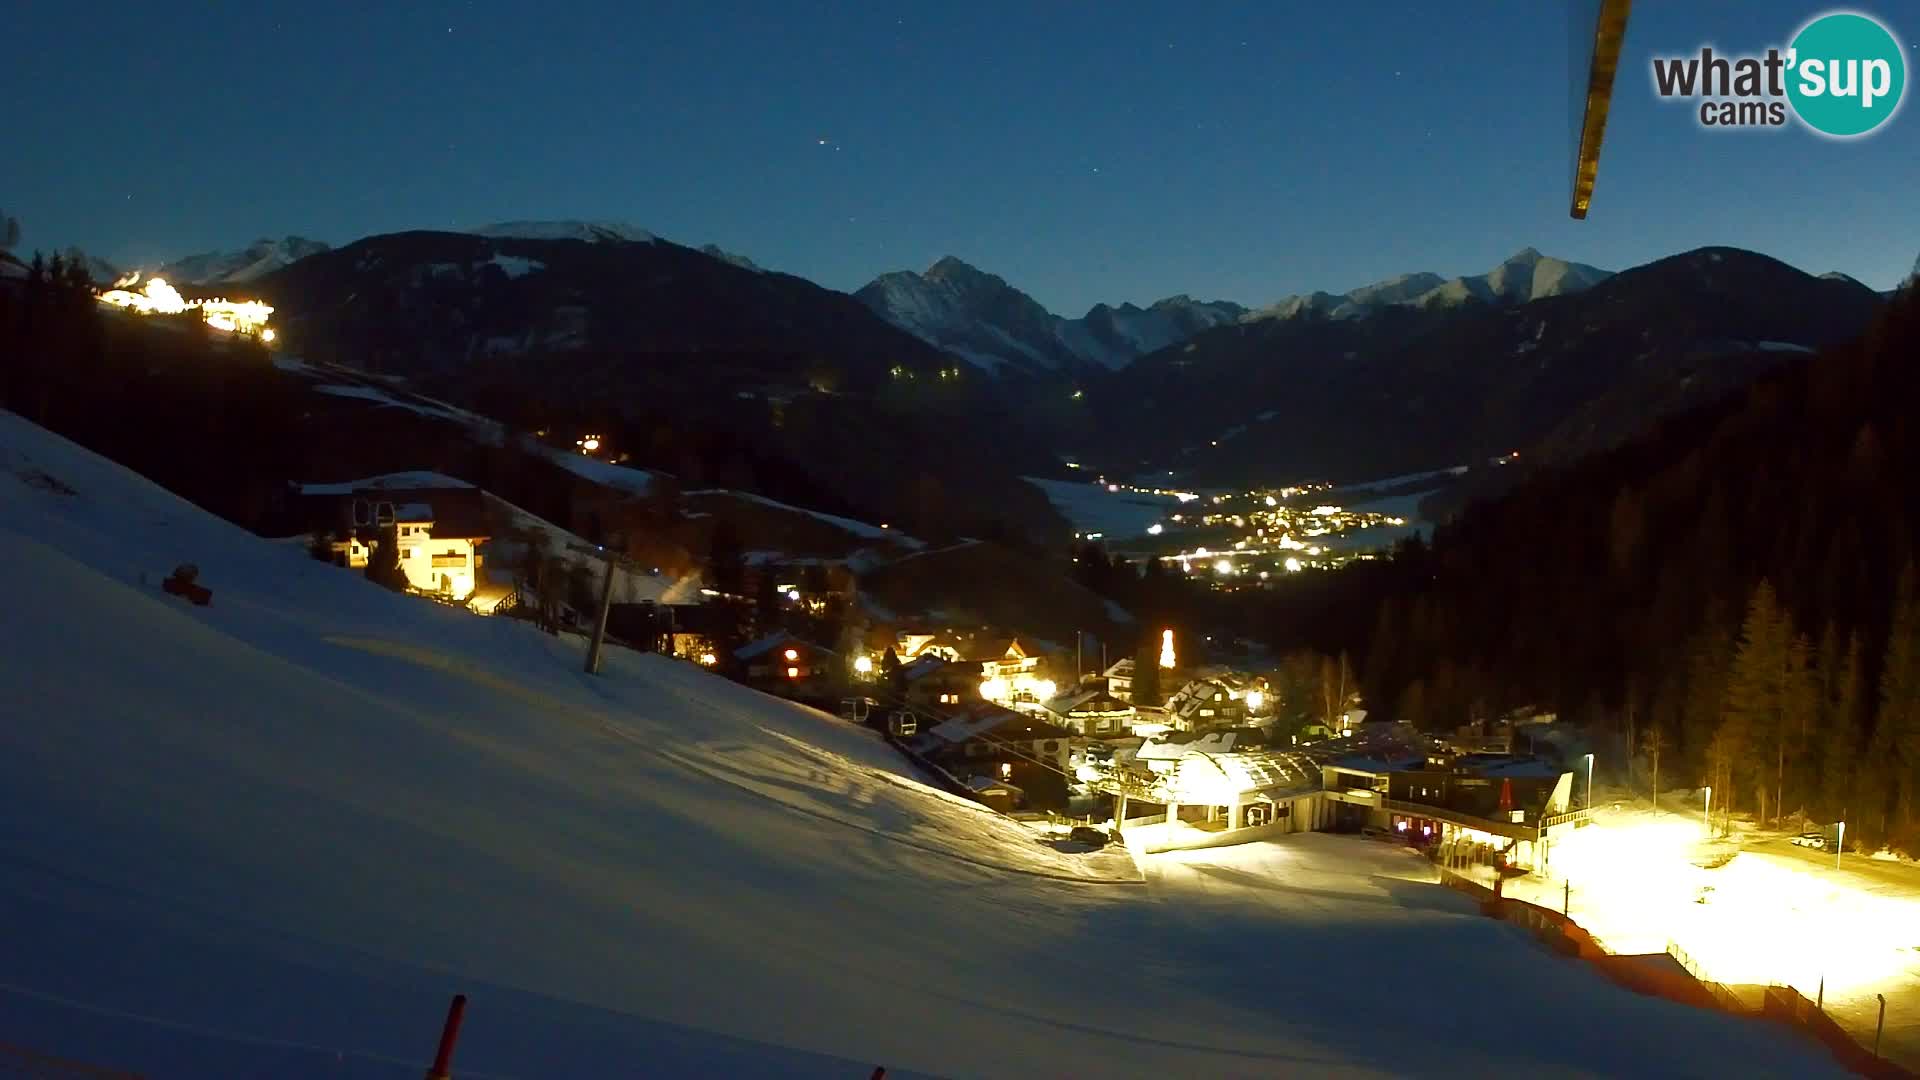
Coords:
pixel 1086 152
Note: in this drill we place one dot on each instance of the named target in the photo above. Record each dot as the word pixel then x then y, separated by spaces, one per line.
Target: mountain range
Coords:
pixel 1525 276
pixel 979 317
pixel 1412 387
pixel 837 393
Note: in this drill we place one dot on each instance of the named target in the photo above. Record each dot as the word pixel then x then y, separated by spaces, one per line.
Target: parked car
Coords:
pixel 1086 834
pixel 1814 840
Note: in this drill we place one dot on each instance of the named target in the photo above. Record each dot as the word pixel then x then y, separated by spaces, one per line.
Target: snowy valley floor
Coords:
pixel 271 836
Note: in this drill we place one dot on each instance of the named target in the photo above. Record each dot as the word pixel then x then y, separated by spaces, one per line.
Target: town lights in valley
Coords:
pixel 1293 565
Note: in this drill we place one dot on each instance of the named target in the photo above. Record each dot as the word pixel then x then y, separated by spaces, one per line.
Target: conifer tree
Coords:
pixel 1841 744
pixel 1899 718
pixel 383 567
pixel 1146 674
pixel 1754 701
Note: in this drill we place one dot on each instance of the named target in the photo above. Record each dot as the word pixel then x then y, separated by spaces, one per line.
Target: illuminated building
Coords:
pixel 157 297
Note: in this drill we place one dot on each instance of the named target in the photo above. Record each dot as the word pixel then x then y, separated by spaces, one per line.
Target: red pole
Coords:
pixel 443 1061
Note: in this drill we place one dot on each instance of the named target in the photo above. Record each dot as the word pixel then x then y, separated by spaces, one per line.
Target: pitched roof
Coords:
pixel 1121 669
pixel 413 514
pixel 1181 744
pixel 923 666
pixel 773 641
pixel 456 512
pixel 1074 700
pixel 987 718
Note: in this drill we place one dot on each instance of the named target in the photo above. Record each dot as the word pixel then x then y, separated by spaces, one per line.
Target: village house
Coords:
pixel 1478 804
pixel 936 684
pixel 997 794
pixel 1120 679
pixel 1011 673
pixel 1210 701
pixel 1091 711
pixel 989 740
pixel 439 532
pixel 911 644
pixel 787 666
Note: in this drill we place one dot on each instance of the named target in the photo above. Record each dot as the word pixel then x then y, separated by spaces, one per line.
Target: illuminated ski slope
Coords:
pixel 272 835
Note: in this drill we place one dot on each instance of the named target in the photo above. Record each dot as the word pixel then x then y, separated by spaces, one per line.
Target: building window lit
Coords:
pixel 793 673
pixel 792 654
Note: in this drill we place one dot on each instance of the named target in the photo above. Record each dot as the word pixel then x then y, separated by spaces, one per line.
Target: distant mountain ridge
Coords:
pixel 256 260
pixel 1416 385
pixel 1525 276
pixel 979 317
pixel 595 232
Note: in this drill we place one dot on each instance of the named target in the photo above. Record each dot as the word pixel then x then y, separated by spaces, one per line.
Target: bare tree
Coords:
pixel 1653 741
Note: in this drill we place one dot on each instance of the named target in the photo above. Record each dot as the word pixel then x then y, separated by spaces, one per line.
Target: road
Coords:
pixel 1860 872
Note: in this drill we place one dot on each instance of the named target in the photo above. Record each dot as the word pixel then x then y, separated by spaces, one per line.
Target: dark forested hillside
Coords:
pixel 1737 586
pixel 698 365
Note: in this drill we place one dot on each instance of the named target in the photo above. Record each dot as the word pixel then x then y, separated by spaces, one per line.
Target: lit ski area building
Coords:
pixel 271 835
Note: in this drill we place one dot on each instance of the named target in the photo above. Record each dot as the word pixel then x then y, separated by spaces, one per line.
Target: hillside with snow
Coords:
pixel 270 836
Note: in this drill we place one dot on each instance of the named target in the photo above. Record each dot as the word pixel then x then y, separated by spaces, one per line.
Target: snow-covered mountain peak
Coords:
pixel 741 261
pixel 256 260
pixel 978 316
pixel 1523 276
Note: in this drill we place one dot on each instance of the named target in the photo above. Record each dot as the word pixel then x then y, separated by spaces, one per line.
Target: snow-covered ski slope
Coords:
pixel 271 836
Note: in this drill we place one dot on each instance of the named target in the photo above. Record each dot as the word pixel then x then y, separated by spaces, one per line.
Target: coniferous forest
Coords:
pixel 1735 592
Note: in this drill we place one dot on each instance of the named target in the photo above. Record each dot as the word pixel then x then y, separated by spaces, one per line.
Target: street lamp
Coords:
pixel 1839 845
pixel 1706 812
pixel 1589 782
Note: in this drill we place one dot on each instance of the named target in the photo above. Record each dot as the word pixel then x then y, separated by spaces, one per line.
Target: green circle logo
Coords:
pixel 1846 74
